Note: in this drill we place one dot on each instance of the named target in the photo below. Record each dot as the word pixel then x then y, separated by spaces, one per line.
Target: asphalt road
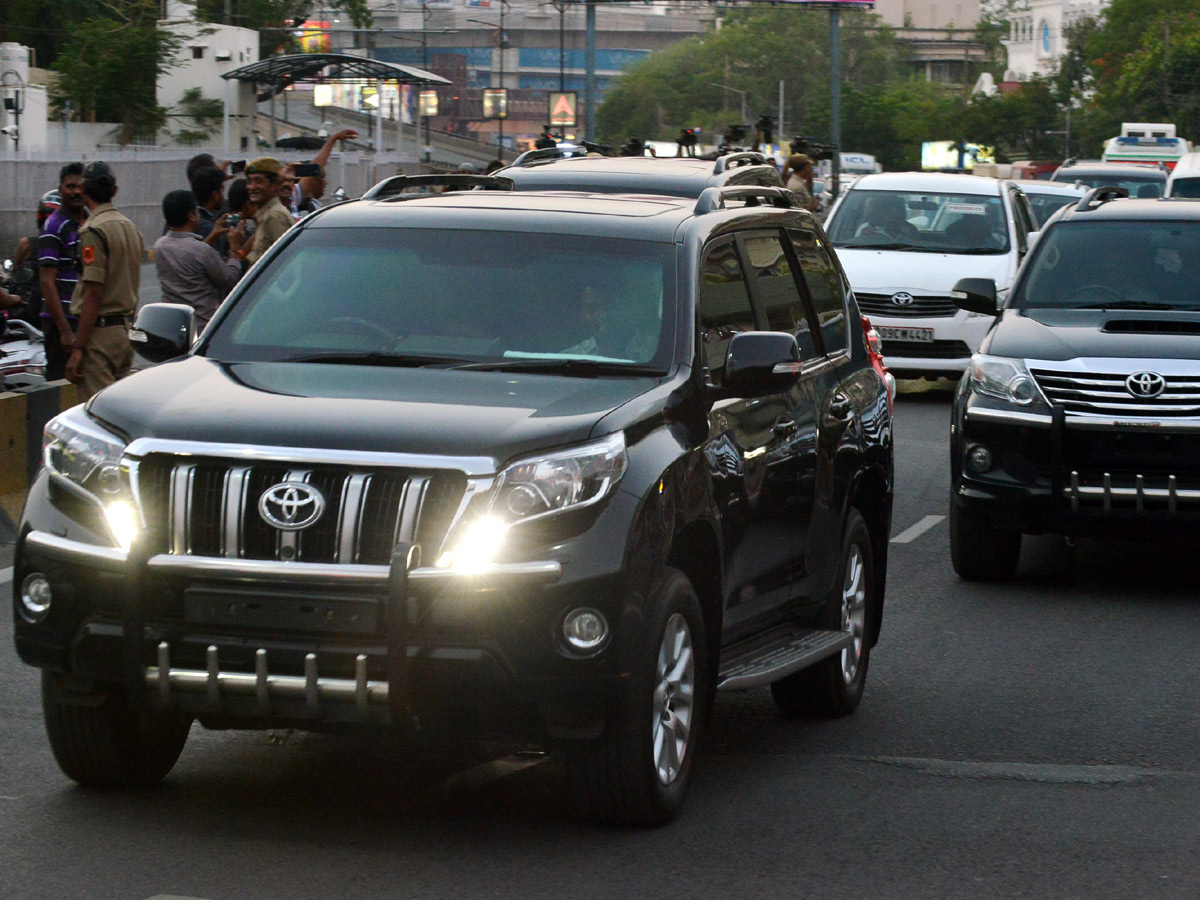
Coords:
pixel 1035 739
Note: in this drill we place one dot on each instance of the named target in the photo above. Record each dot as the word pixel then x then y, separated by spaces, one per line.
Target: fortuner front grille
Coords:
pixel 932 307
pixel 1103 393
pixel 210 507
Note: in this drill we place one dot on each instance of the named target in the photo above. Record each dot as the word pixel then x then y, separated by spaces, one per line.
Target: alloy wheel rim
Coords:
pixel 674 698
pixel 854 612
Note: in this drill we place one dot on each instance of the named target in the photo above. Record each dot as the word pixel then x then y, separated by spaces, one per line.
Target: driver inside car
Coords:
pixel 886 218
pixel 595 319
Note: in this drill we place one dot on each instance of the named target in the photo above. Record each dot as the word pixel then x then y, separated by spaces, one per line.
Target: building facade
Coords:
pixel 1038 34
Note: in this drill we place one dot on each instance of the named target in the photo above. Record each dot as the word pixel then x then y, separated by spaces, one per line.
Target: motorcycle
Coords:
pixel 22 345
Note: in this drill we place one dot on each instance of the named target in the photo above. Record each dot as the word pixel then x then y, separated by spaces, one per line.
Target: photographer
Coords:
pixel 798 177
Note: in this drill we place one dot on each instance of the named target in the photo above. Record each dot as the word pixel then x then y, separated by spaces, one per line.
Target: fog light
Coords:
pixel 980 458
pixel 35 597
pixel 585 629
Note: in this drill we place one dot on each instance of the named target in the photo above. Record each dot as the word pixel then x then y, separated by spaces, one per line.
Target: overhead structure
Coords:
pixel 279 72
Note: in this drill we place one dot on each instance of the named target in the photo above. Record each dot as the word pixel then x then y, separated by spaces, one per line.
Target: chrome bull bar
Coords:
pixel 1106 493
pixel 370 698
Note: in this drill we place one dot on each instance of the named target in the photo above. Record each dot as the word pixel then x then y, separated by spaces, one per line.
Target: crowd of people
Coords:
pixel 88 256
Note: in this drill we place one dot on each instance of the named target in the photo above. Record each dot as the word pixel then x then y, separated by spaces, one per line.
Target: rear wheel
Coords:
pixel 978 550
pixel 639 770
pixel 100 742
pixel 834 686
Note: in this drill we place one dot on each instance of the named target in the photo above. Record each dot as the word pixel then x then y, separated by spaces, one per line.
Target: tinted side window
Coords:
pixel 724 305
pixel 776 291
pixel 824 288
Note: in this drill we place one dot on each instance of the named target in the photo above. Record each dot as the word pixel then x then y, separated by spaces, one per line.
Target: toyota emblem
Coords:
pixel 903 298
pixel 1145 385
pixel 291 505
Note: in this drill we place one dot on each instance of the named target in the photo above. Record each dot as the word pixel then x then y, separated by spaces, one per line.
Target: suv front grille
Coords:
pixel 933 307
pixel 1100 393
pixel 210 507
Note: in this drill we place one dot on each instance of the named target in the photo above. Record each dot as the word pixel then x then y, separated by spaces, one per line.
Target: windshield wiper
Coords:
pixel 976 250
pixel 895 245
pixel 372 358
pixel 1132 304
pixel 581 367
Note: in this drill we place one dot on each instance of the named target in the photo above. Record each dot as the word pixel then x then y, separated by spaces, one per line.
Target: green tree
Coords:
pixel 111 71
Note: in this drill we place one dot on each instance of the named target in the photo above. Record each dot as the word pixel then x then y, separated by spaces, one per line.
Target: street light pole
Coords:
pixel 835 97
pixel 504 106
pixel 590 63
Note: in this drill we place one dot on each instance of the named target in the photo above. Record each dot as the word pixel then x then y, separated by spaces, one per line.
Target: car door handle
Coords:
pixel 840 407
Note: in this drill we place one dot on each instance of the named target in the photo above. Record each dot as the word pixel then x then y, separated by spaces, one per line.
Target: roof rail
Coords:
pixel 737 160
pixel 397 184
pixel 545 153
pixel 714 197
pixel 1097 197
pixel 1069 161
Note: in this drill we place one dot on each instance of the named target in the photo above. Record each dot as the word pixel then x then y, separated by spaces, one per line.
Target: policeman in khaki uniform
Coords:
pixel 274 219
pixel 111 251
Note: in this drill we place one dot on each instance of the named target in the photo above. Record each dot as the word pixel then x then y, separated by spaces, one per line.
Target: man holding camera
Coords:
pixel 111 251
pixel 189 269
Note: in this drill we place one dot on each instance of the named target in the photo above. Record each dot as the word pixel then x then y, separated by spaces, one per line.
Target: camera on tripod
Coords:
pixel 812 148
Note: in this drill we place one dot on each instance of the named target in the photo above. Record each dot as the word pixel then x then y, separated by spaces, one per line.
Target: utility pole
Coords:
pixel 590 63
pixel 835 96
pixel 504 107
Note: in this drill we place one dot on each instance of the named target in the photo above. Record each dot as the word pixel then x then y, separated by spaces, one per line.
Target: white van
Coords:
pixel 1184 181
pixel 904 239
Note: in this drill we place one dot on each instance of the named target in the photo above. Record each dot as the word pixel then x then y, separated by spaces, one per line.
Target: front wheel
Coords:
pixel 639 770
pixel 978 550
pixel 99 741
pixel 834 686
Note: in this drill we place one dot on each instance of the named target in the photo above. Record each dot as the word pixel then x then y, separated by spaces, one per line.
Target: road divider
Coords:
pixel 23 415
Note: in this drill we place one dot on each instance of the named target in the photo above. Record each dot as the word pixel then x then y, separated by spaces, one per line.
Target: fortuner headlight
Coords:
pixel 1003 378
pixel 534 488
pixel 87 455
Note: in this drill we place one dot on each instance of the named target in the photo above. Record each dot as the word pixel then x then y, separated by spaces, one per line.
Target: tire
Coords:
pixel 834 687
pixel 638 772
pixel 979 551
pixel 100 742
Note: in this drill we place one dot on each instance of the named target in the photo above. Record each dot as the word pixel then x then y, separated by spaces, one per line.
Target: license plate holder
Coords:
pixel 292 612
pixel 913 335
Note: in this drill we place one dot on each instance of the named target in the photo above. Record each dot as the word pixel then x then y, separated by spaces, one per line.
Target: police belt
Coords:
pixel 115 319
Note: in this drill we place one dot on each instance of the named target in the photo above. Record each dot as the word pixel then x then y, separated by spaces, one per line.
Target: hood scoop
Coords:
pixel 1152 326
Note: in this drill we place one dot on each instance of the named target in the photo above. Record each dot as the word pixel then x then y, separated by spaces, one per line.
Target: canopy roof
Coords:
pixel 281 71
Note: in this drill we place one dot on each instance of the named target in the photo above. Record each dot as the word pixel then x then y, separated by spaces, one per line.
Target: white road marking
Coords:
pixel 908 535
pixel 6 575
pixel 2 797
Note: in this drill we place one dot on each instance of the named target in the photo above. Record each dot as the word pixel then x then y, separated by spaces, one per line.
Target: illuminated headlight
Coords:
pixel 85 454
pixel 1002 378
pixel 532 489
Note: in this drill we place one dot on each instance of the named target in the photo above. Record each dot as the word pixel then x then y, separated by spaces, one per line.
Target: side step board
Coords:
pixel 780 658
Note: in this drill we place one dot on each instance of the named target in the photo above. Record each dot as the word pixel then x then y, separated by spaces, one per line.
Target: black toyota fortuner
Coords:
pixel 1081 412
pixel 484 462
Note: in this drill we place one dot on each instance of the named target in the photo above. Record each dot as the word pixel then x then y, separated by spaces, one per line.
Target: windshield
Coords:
pixel 1142 187
pixel 1115 265
pixel 405 296
pixel 1046 205
pixel 933 223
pixel 1186 188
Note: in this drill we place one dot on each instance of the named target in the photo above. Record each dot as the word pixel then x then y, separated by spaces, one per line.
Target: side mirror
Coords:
pixel 1031 240
pixel 976 295
pixel 760 362
pixel 163 331
pixel 339 195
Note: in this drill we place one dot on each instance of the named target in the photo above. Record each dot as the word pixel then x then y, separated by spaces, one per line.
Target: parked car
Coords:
pixel 906 238
pixel 1184 180
pixel 667 176
pixel 1048 197
pixel 1081 412
pixel 1144 180
pixel 537 464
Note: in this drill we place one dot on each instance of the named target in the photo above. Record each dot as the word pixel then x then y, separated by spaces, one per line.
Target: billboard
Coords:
pixel 945 155
pixel 495 103
pixel 562 108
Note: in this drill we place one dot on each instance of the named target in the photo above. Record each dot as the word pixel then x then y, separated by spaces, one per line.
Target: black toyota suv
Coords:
pixel 549 465
pixel 1081 412
pixel 669 176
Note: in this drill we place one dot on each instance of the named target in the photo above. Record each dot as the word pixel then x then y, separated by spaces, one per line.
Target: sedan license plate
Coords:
pixel 920 335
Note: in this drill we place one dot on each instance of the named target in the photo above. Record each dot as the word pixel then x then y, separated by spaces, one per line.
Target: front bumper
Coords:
pixel 955 338
pixel 1078 474
pixel 449 650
